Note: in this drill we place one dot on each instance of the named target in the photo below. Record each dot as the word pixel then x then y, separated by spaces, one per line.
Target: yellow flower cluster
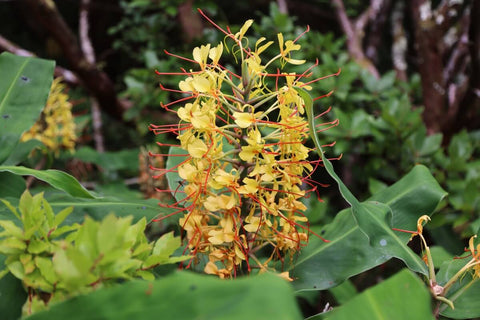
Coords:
pixel 245 157
pixel 55 128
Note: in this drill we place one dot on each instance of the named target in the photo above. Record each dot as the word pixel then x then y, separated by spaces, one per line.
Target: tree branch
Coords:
pixel 354 37
pixel 67 75
pixel 96 81
pixel 87 49
pixel 430 65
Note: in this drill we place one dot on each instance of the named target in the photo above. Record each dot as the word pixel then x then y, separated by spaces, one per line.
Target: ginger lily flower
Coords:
pixel 245 158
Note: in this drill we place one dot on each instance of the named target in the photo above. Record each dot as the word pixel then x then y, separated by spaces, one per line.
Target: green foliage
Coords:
pixel 19 111
pixel 183 295
pixel 57 179
pixel 464 294
pixel 387 300
pixel 92 255
pixel 350 249
pixel 29 247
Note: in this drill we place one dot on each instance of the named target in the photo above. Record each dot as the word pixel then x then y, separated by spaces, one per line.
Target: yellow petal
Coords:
pixel 211 268
pixel 285 275
pixel 244 29
pixel 216 53
pixel 197 148
pixel 243 119
pixel 201 84
pixel 420 222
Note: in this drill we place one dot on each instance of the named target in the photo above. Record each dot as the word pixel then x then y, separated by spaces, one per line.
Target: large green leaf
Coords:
pixel 99 208
pixel 12 295
pixel 11 185
pixel 323 265
pixel 401 297
pixel 24 87
pixel 374 218
pixel 57 179
pixel 183 295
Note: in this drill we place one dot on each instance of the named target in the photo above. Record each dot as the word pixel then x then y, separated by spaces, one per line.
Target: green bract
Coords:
pixel 53 264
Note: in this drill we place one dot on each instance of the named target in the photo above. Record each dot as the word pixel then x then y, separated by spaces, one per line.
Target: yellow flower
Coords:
pixel 247 162
pixel 224 234
pixel 243 119
pixel 289 47
pixel 56 128
pixel 200 55
pixel 250 186
pixel 216 53
pixel 197 148
pixel 215 203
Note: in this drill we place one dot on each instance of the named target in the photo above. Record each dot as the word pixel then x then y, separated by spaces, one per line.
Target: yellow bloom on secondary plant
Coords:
pixel 245 164
pixel 55 128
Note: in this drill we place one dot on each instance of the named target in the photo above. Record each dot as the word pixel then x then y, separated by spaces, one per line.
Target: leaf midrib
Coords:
pixel 12 84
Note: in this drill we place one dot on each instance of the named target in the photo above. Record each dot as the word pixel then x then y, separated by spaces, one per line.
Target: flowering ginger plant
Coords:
pixel 244 161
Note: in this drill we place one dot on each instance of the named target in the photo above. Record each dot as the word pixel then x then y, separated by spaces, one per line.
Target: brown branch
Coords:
pixel 459 52
pixel 430 65
pixel 469 116
pixel 446 14
pixel 354 36
pixel 96 81
pixel 282 6
pixel 67 75
pixel 87 49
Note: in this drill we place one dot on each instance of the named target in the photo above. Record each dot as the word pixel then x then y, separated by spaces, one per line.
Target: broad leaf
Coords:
pixel 323 265
pixel 11 185
pixel 183 295
pixel 24 87
pixel 57 179
pixel 12 295
pixel 403 296
pixel 373 218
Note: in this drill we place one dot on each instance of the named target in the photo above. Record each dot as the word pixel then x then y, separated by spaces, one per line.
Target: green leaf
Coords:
pixel 349 249
pixel 344 292
pixel 10 229
pixel 163 249
pixel 464 293
pixel 57 179
pixel 166 245
pixel 401 297
pixel 12 294
pixel 24 87
pixel 12 246
pixel 99 208
pixel 183 295
pixel 45 266
pixel 12 185
pixel 374 218
pixel 21 152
